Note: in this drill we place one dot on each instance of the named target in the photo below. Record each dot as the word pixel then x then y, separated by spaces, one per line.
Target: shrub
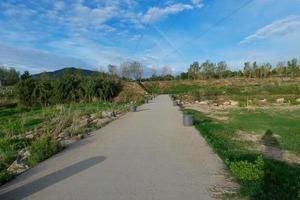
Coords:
pixel 5 176
pixel 43 148
pixel 247 171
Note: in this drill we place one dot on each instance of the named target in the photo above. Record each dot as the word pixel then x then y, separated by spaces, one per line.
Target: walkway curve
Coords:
pixel 144 155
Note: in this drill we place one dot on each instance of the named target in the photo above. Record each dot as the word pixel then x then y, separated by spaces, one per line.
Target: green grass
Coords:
pixel 237 90
pixel 14 121
pixel 18 121
pixel 281 122
pixel 259 178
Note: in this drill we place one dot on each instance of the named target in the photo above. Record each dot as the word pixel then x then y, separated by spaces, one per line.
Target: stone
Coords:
pixel 18 167
pixel 65 143
pixel 234 103
pixel 29 136
pixel 106 114
pixel 24 154
pixel 263 101
pixel 203 103
pixel 227 103
pixel 65 134
pixel 280 100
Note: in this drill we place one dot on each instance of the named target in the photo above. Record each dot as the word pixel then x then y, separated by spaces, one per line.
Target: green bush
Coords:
pixel 5 176
pixel 247 171
pixel 43 148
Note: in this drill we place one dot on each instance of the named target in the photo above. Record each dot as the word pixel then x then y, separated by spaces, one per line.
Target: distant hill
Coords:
pixel 60 72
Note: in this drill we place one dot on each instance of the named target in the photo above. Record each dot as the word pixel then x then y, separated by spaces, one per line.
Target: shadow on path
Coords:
pixel 50 179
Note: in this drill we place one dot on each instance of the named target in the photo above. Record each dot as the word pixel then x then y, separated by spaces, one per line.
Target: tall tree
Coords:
pixel 208 69
pixel 247 70
pixel 221 69
pixel 137 69
pixel 193 71
pixel 125 70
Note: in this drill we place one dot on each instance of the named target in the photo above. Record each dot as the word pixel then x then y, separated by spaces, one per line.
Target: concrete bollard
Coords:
pixel 188 120
pixel 133 108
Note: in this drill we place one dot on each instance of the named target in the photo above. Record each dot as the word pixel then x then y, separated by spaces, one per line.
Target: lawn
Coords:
pixel 259 177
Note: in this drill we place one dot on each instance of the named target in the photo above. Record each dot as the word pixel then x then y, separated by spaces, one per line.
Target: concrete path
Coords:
pixel 144 155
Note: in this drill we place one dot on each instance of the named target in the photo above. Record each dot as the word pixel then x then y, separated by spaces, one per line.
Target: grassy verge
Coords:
pixel 259 177
pixel 45 123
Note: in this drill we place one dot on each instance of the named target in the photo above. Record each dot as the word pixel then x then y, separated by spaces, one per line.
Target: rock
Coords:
pixel 93 116
pixel 298 100
pixel 29 136
pixel 197 102
pixel 17 167
pixel 65 134
pixel 24 154
pixel 263 101
pixel 280 100
pixel 234 103
pixel 215 104
pixel 227 103
pixel 101 122
pixel 65 143
pixel 203 103
pixel 83 122
pixel 106 114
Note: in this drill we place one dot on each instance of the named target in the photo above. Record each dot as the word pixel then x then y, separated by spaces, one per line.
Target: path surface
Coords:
pixel 144 155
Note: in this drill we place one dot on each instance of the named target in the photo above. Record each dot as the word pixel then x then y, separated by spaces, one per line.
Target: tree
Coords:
pixel 255 71
pixel 136 69
pixel 293 67
pixel 221 69
pixel 125 70
pixel 194 70
pixel 208 69
pixel 247 70
pixel 280 69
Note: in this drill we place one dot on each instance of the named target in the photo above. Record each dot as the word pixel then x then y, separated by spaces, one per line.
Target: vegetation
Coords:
pixel 71 87
pixel 246 92
pixel 43 148
pixel 38 111
pixel 259 177
pixel 8 76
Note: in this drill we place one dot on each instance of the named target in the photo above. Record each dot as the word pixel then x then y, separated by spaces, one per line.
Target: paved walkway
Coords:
pixel 144 155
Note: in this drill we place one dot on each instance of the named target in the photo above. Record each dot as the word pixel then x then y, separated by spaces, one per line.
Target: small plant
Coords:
pixel 247 171
pixel 43 148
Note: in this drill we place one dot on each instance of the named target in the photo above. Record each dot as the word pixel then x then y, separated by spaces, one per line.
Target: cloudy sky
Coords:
pixel 43 35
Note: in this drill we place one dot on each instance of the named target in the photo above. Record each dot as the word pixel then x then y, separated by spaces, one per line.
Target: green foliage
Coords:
pixel 43 148
pixel 247 171
pixel 9 148
pixel 259 178
pixel 5 176
pixel 71 87
pixel 9 76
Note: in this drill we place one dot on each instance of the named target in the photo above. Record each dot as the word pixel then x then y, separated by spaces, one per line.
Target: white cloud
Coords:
pixel 156 13
pixel 277 28
pixel 198 3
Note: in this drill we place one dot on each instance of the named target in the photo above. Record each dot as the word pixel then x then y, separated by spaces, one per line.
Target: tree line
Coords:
pixel 208 70
pixel 70 87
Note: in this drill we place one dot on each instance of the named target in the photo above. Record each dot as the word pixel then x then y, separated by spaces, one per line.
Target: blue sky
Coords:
pixel 46 35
